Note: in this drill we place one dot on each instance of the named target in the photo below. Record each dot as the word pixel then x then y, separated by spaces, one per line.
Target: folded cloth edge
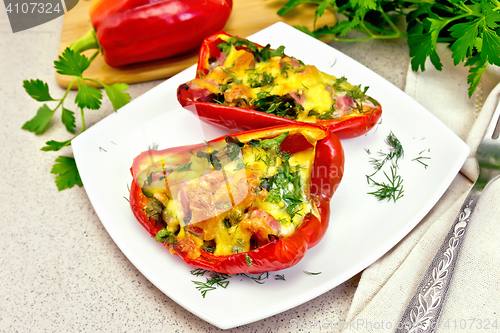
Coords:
pixel 376 276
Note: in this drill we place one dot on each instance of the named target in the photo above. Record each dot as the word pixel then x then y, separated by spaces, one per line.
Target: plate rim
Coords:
pixel 79 141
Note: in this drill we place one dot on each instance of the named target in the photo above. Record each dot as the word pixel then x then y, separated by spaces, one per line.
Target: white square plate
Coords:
pixel 361 228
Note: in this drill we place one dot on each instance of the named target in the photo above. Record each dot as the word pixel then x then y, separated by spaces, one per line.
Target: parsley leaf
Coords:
pixel 321 9
pixel 370 4
pixel 491 14
pixel 491 47
pixel 117 95
pixel 477 68
pixel 38 90
pixel 88 97
pixel 237 42
pixel 290 5
pixel 41 120
pixel 420 48
pixel 470 27
pixel 271 144
pixel 71 63
pixel 466 34
pixel 266 53
pixel 74 64
pixel 274 196
pixel 260 54
pixel 67 173
pixel 165 236
pixel 183 167
pixel 68 119
pixel 55 145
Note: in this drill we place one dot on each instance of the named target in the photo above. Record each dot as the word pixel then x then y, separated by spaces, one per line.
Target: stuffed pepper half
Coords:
pixel 240 84
pixel 250 202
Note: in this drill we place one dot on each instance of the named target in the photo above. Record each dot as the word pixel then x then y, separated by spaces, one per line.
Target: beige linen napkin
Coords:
pixel 473 301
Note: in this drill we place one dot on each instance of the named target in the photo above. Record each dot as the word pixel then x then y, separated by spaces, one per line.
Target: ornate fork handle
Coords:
pixel 423 310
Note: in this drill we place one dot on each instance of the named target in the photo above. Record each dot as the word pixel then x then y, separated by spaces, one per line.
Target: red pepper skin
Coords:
pixel 278 254
pixel 135 31
pixel 346 127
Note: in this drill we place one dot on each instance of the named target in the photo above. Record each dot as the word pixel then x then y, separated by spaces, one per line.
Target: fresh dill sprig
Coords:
pixel 199 272
pixel 259 279
pixel 215 280
pixel 230 73
pixel 420 158
pixel 378 163
pixel 391 190
pixel 396 149
pixel 261 79
pixel 312 273
pixel 329 114
pixel 285 67
pixel 396 152
pixel 153 146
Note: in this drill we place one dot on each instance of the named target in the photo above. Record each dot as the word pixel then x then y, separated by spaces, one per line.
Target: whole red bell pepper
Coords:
pixel 277 253
pixel 362 113
pixel 136 31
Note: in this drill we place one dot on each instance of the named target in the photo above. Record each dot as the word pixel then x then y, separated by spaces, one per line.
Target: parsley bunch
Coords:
pixel 470 27
pixel 73 64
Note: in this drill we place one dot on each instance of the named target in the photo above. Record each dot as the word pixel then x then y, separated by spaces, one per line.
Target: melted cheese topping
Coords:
pixel 236 208
pixel 312 94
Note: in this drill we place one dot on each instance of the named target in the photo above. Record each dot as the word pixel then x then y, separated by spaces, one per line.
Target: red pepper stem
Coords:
pixel 86 42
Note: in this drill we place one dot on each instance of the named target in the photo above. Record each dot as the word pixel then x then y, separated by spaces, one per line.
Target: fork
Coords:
pixel 423 310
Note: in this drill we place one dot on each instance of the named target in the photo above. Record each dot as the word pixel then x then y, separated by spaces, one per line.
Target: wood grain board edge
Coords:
pixel 247 17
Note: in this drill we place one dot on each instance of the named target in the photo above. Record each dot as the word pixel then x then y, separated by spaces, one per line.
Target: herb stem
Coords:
pixel 94 55
pixel 464 8
pixel 70 63
pixel 92 80
pixel 445 40
pixel 84 127
pixel 389 21
pixel 336 39
pixel 367 30
pixel 65 94
pixel 382 31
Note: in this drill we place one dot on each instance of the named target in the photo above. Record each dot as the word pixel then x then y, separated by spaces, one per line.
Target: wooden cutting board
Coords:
pixel 247 17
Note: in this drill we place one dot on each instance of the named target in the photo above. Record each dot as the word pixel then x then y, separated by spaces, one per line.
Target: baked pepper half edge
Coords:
pixel 243 85
pixel 269 249
pixel 136 31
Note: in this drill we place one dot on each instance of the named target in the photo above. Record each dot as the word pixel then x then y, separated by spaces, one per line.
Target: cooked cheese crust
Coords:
pixel 278 84
pixel 228 198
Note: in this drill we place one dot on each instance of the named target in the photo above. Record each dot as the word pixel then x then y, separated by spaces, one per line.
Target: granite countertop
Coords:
pixel 60 270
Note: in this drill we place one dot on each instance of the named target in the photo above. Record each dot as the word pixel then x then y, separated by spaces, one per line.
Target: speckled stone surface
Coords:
pixel 59 269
